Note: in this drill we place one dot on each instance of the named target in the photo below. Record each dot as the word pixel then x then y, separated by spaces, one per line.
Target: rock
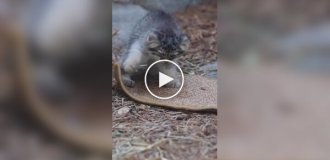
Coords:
pixel 123 111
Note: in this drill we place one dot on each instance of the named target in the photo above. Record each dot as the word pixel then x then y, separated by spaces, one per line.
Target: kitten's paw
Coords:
pixel 174 84
pixel 128 82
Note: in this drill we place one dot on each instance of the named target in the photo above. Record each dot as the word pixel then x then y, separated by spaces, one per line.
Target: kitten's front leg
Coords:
pixel 129 68
pixel 133 58
pixel 130 64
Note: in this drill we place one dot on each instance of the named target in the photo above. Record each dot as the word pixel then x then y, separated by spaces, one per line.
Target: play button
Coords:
pixel 164 79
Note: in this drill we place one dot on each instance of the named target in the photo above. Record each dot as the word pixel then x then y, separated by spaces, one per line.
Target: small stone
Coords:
pixel 142 107
pixel 123 111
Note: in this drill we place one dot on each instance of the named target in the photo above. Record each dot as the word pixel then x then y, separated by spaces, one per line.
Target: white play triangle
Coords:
pixel 164 79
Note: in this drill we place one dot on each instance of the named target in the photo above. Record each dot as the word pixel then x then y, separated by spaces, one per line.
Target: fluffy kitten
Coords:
pixel 156 36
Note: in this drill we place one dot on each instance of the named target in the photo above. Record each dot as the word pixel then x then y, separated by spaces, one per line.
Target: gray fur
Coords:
pixel 156 36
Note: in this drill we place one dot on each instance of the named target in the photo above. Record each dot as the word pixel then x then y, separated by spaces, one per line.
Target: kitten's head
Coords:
pixel 167 44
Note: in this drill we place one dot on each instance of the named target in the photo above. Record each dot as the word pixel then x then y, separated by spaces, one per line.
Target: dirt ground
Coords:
pixel 143 132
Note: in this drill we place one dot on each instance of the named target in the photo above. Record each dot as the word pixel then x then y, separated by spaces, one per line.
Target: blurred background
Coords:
pixel 68 55
pixel 274 79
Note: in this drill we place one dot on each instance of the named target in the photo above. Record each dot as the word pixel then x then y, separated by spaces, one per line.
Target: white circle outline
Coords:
pixel 145 79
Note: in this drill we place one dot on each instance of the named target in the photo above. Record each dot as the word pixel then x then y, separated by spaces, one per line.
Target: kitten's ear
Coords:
pixel 185 44
pixel 152 40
